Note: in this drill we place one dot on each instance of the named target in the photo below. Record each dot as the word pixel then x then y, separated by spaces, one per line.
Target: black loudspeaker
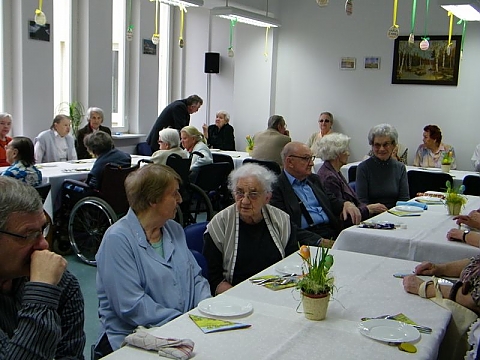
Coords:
pixel 212 63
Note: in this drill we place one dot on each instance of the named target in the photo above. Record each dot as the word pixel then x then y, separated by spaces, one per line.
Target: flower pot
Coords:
pixel 446 168
pixel 249 150
pixel 315 306
pixel 454 208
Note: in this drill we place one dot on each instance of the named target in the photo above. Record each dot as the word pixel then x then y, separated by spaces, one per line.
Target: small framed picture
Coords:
pixel 149 48
pixel 372 62
pixel 347 63
pixel 38 32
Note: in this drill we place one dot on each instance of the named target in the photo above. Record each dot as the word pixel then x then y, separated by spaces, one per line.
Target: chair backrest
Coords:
pixel 217 157
pixel 472 185
pixel 194 235
pixel 43 190
pixel 202 262
pixel 211 177
pixel 352 173
pixel 421 181
pixel 143 149
pixel 180 165
pixel 112 189
pixel 270 165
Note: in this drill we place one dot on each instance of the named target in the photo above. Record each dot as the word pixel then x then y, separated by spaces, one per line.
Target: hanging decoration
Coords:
pixel 349 7
pixel 130 25
pixel 464 32
pixel 40 18
pixel 322 2
pixel 424 44
pixel 183 10
pixel 450 29
pixel 265 53
pixel 231 53
pixel 411 37
pixel 156 35
pixel 394 30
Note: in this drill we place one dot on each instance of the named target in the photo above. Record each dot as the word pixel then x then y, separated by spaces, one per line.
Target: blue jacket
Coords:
pixel 113 156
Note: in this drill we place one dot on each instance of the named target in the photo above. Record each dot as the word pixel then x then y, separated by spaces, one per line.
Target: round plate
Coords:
pixel 429 200
pixel 408 208
pixel 388 330
pixel 289 269
pixel 218 306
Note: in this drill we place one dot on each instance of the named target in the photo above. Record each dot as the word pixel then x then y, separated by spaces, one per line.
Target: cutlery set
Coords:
pixel 422 329
pixel 276 280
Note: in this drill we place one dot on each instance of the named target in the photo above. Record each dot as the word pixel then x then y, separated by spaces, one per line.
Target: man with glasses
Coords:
pixel 41 305
pixel 300 194
pixel 269 143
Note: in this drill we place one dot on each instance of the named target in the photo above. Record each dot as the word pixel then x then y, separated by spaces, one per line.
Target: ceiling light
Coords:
pixel 185 3
pixel 468 10
pixel 244 16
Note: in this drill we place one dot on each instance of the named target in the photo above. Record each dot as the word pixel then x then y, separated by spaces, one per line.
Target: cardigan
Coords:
pixel 46 150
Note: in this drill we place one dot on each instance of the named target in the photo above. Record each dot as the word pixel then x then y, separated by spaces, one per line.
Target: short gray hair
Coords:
pixel 17 197
pixel 98 142
pixel 94 110
pixel 332 145
pixel 383 130
pixel 225 114
pixel 274 121
pixel 193 132
pixel 266 177
pixel 4 115
pixel 169 136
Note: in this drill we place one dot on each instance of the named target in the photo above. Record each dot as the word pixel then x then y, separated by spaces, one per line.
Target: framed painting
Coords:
pixel 372 62
pixel 347 63
pixel 437 65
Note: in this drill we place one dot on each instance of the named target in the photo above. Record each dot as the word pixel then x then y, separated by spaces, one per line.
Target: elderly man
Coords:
pixel 269 143
pixel 41 305
pixel 300 194
pixel 176 115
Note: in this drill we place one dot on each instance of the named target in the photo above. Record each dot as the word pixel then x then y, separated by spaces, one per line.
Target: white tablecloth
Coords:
pixel 424 239
pixel 365 288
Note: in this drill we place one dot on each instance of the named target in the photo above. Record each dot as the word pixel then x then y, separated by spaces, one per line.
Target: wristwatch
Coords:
pixel 465 235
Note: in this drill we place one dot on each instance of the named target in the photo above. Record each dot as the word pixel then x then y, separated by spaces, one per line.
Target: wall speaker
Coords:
pixel 212 63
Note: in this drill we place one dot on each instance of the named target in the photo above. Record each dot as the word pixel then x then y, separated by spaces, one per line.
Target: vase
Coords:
pixel 315 306
pixel 249 150
pixel 454 208
pixel 446 168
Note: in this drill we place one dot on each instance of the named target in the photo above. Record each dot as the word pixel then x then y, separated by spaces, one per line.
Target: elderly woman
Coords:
pixel 382 179
pixel 21 157
pixel 146 275
pixel 333 149
pixel 5 126
pixel 169 142
pixel 95 120
pixel 220 135
pixel 100 145
pixel 55 144
pixel 249 235
pixel 193 140
pixel 325 123
pixel 432 151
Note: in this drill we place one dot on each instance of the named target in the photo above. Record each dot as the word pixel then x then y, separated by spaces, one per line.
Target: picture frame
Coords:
pixel 347 63
pixel 38 32
pixel 149 48
pixel 434 66
pixel 372 62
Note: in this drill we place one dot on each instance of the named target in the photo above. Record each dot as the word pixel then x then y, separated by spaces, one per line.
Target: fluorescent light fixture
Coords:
pixel 185 3
pixel 244 16
pixel 468 10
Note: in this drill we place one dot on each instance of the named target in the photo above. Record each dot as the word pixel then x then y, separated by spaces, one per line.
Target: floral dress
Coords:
pixel 469 281
pixel 28 174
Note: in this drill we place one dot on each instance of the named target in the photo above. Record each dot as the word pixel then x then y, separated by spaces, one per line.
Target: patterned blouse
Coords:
pixel 28 174
pixel 469 281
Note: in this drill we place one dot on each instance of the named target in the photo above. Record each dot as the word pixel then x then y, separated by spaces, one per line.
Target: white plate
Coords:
pixel 288 269
pixel 429 200
pixel 219 306
pixel 408 208
pixel 388 330
pixel 434 193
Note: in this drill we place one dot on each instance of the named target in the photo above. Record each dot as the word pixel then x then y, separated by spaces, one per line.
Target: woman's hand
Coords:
pixel 376 208
pixel 471 220
pixel 349 209
pixel 426 268
pixel 411 284
pixel 455 235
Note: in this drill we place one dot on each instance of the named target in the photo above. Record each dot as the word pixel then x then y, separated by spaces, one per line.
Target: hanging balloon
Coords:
pixel 231 53
pixel 424 45
pixel 411 39
pixel 130 33
pixel 322 2
pixel 393 32
pixel 40 18
pixel 156 39
pixel 349 7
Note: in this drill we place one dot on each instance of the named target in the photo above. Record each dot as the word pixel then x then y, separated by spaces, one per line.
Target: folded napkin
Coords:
pixel 412 203
pixel 171 348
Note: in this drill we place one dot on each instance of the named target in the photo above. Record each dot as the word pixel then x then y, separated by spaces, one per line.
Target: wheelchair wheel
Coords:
pixel 89 219
pixel 196 204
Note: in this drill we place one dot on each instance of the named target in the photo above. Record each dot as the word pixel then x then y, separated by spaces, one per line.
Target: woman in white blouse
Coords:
pixel 56 144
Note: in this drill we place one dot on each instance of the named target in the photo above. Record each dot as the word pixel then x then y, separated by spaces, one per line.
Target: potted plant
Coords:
pixel 454 198
pixel 250 144
pixel 75 110
pixel 447 161
pixel 316 284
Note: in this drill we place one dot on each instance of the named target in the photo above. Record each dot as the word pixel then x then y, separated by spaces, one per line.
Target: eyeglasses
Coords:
pixel 31 237
pixel 324 120
pixel 252 195
pixel 304 158
pixel 385 145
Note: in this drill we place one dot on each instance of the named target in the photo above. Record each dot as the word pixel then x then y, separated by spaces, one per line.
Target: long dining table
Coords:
pixel 365 287
pixel 418 238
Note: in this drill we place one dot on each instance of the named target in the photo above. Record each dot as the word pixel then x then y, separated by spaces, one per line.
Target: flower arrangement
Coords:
pixel 447 158
pixel 454 195
pixel 250 143
pixel 317 279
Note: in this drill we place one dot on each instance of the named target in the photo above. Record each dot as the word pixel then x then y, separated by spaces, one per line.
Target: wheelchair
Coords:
pixel 86 213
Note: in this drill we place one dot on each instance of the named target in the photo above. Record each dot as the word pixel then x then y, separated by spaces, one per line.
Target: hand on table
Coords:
pixel 425 268
pixel 46 267
pixel 455 235
pixel 349 209
pixel 471 220
pixel 376 208
pixel 411 284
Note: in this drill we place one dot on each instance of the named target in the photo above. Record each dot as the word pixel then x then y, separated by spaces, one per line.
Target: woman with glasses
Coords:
pixel 249 235
pixel 169 142
pixel 381 178
pixel 325 123
pixel 20 156
pixel 333 149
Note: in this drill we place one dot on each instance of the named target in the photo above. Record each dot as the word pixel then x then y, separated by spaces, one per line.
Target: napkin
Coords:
pixel 209 325
pixel 412 203
pixel 171 348
pixel 276 285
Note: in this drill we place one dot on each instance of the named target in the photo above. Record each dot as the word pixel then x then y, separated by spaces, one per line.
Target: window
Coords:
pixel 119 68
